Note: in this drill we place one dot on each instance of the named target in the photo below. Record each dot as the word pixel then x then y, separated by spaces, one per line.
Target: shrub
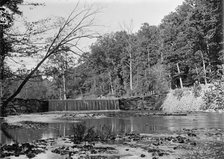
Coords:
pixel 84 134
pixel 182 100
pixel 197 90
pixel 214 98
pixel 105 133
pixel 178 93
pixel 79 133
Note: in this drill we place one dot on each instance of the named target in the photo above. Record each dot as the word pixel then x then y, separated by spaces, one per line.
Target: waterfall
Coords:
pixel 83 105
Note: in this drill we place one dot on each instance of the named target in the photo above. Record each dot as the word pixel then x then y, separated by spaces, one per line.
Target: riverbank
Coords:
pixel 184 144
pixel 76 116
pixel 102 142
pixel 56 116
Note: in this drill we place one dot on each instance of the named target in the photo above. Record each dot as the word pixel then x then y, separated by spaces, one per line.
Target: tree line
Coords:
pixel 186 46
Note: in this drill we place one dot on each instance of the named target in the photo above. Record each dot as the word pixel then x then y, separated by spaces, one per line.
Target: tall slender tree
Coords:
pixel 6 22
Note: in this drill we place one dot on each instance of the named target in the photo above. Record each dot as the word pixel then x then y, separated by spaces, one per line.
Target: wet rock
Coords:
pixel 218 134
pixel 5 154
pixel 193 143
pixel 30 155
pixel 87 147
pixel 169 138
pixel 20 149
pixel 142 155
pixel 93 151
pixel 184 129
pixel 190 134
pixel 152 150
pixel 161 154
pixel 57 151
pixel 179 139
pixel 156 143
pixel 134 136
pixel 17 154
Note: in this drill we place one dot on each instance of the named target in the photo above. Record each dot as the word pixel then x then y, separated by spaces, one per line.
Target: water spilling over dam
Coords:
pixel 77 105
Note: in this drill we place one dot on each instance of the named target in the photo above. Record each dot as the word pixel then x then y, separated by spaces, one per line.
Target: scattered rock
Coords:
pixel 190 134
pixel 142 155
pixel 28 149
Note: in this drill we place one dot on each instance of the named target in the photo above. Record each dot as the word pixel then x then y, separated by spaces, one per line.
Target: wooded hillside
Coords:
pixel 185 47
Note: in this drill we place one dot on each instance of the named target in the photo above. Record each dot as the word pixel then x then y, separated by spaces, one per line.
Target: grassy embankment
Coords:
pixel 186 99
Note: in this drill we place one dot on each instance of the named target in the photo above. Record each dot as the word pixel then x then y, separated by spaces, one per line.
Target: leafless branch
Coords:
pixel 68 32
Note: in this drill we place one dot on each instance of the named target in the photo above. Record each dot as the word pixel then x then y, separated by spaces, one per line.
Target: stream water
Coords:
pixel 143 124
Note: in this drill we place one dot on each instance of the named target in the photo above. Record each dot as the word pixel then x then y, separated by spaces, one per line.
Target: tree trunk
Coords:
pixel 197 72
pixel 64 85
pixel 131 85
pixel 196 69
pixel 60 94
pixel 2 54
pixel 178 70
pixel 204 68
pixel 111 83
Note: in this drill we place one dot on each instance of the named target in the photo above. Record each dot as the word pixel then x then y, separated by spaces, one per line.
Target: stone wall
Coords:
pixel 22 106
pixel 152 102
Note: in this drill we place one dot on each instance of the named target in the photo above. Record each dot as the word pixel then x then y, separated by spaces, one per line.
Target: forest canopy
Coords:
pixel 186 47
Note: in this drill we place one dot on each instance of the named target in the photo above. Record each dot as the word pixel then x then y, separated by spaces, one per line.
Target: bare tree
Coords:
pixel 129 30
pixel 77 26
pixel 179 73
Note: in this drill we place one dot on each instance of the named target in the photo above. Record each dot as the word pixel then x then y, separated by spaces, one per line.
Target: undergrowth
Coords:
pixel 214 97
pixel 85 134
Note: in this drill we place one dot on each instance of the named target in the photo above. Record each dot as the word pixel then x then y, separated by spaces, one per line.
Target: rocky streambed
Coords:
pixel 134 141
pixel 187 143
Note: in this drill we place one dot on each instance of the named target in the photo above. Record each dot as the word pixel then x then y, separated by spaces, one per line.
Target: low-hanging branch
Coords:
pixel 67 33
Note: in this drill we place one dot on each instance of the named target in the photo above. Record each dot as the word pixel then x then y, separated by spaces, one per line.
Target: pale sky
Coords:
pixel 113 13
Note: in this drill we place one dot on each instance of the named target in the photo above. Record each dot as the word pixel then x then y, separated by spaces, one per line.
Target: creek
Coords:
pixel 147 124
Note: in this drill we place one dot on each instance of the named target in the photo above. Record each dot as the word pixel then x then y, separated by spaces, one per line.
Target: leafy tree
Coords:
pixel 173 55
pixel 105 58
pixel 59 67
pixel 190 40
pixel 204 30
pixel 147 55
pixel 4 46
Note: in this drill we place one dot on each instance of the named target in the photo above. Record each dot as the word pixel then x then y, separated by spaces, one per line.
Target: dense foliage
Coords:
pixel 186 47
pixel 214 97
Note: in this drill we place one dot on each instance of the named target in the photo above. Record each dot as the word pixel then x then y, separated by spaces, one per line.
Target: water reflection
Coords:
pixel 145 124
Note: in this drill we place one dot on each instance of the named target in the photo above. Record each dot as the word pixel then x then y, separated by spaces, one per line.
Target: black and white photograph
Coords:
pixel 111 79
